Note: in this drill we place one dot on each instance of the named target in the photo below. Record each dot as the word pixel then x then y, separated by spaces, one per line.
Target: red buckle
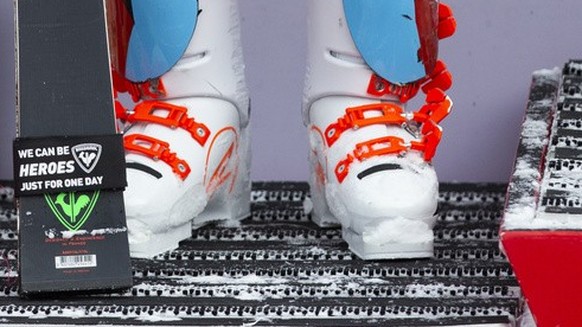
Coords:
pixel 438 106
pixel 355 118
pixel 120 111
pixel 432 134
pixel 391 145
pixel 440 78
pixel 379 87
pixel 153 88
pixel 379 147
pixel 157 150
pixel 343 168
pixel 173 117
pixel 123 85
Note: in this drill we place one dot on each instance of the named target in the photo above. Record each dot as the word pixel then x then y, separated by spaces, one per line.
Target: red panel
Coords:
pixel 120 25
pixel 427 22
pixel 548 266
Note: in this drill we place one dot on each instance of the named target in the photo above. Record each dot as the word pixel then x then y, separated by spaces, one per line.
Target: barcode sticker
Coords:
pixel 76 261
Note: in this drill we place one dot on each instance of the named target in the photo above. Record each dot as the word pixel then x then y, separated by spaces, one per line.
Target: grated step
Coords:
pixel 560 192
pixel 278 268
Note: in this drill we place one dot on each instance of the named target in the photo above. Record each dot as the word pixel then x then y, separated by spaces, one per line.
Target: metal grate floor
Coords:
pixel 278 268
pixel 561 180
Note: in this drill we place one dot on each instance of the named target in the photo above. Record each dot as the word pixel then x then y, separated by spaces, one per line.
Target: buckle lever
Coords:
pixel 380 146
pixel 174 117
pixel 355 118
pixel 157 150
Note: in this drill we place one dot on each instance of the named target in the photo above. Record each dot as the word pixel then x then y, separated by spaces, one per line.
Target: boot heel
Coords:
pixel 321 215
pixel 227 204
pixel 226 207
pixel 161 242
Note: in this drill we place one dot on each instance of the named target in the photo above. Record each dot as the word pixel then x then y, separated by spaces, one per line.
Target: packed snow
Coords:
pixel 528 181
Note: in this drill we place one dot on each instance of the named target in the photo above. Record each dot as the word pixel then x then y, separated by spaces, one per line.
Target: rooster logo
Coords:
pixel 72 209
pixel 87 155
pixel 87 158
pixel 74 205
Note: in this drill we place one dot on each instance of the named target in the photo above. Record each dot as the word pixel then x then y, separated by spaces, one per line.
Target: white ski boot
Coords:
pixel 187 146
pixel 370 159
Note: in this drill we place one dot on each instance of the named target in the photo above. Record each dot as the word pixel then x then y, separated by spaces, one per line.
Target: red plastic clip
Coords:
pixel 157 150
pixel 438 106
pixel 439 78
pixel 343 168
pixel 447 23
pixel 432 134
pixel 169 115
pixel 120 111
pixel 355 117
pixel 123 85
pixel 151 89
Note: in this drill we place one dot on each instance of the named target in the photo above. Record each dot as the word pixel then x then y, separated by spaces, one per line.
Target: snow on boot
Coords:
pixel 370 158
pixel 187 144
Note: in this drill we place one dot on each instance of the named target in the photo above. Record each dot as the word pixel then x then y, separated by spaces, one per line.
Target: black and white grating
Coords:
pixel 278 268
pixel 561 185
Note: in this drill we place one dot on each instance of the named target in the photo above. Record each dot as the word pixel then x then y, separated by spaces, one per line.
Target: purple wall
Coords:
pixel 7 97
pixel 498 45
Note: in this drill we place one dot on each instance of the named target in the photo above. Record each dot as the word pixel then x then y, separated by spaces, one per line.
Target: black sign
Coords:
pixel 68 164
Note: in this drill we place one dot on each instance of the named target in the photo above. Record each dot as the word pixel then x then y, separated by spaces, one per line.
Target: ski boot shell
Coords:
pixel 370 158
pixel 187 144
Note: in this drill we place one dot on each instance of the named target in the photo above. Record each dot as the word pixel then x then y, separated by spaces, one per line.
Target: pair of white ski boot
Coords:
pixel 187 140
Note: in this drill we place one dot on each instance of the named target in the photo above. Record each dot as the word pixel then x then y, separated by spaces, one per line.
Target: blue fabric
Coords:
pixel 386 35
pixel 160 36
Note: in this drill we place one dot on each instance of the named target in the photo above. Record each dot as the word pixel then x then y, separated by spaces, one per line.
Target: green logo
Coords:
pixel 72 209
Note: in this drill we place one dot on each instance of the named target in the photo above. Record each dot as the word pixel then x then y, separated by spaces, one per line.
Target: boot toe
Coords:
pixel 402 191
